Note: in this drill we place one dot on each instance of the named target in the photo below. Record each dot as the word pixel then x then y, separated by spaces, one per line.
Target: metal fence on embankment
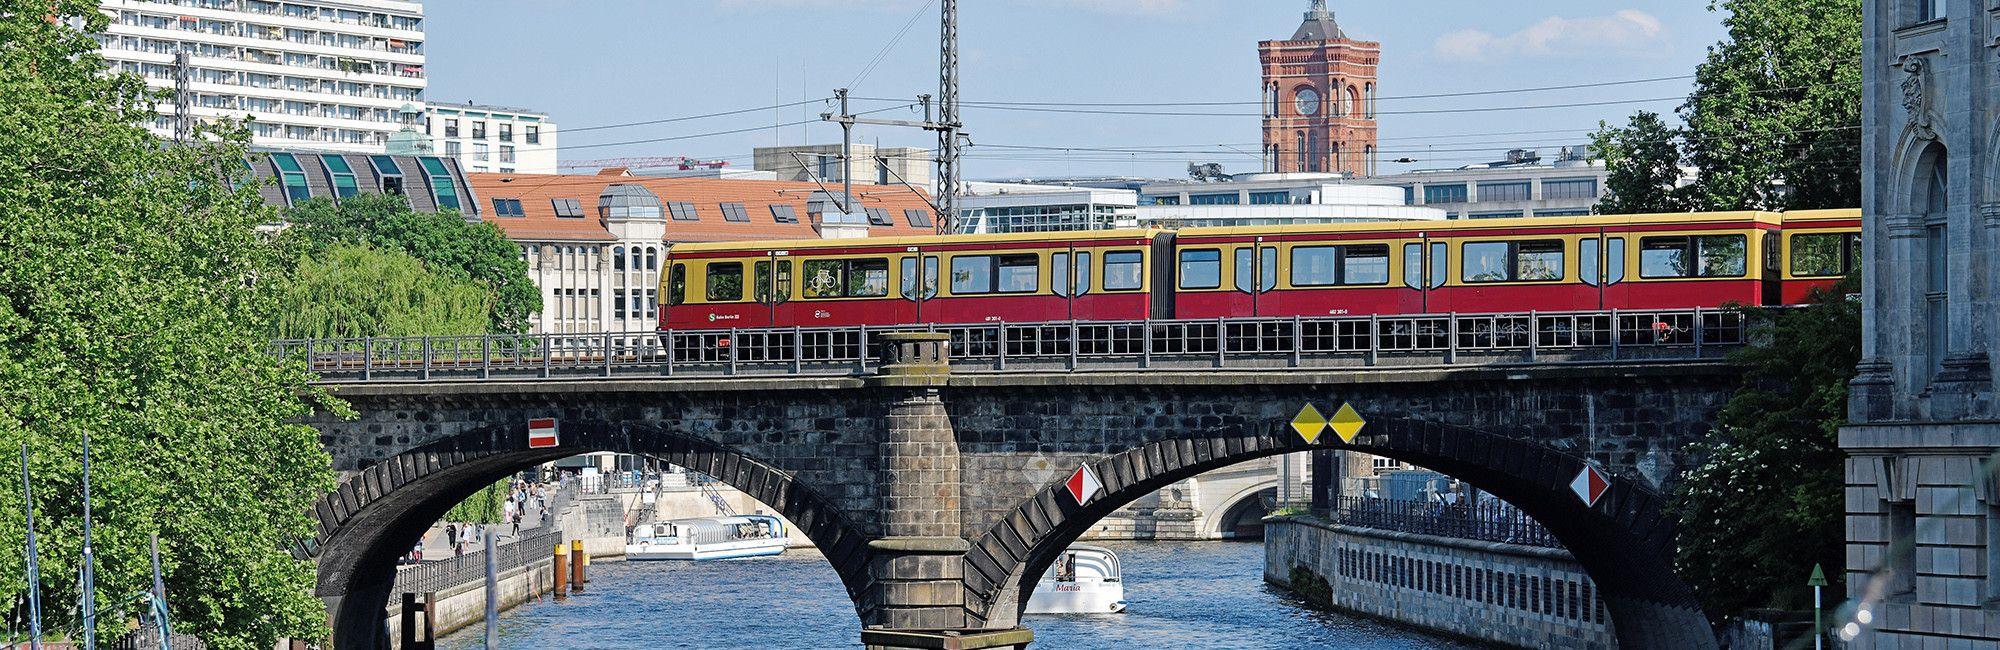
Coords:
pixel 1237 343
pixel 470 568
pixel 1486 522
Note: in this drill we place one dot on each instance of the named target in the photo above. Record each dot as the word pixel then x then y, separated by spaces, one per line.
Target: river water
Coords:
pixel 1182 595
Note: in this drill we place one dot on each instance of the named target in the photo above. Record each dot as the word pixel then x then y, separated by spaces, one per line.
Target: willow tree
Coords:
pixel 134 305
pixel 446 243
pixel 356 291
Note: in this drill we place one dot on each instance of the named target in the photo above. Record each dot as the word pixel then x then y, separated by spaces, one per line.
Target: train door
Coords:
pixel 1069 277
pixel 918 288
pixel 1601 265
pixel 774 290
pixel 1256 275
pixel 1426 265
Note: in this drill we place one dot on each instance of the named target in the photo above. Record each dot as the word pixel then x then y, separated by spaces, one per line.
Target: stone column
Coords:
pixel 918 596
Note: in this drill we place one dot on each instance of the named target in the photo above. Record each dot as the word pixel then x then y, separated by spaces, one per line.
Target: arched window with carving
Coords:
pixel 1354 101
pixel 1371 100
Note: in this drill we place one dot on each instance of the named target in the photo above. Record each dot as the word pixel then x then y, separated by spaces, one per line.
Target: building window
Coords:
pixel 533 134
pixel 733 212
pixel 451 127
pixel 453 149
pixel 784 214
pixel 388 175
pixel 1229 198
pixel 337 168
pixel 682 211
pixel 443 189
pixel 1928 10
pixel 478 130
pixel 1504 191
pixel 1270 198
pixel 567 208
pixel 508 208
pixel 1452 193
pixel 1502 214
pixel 481 152
pixel 506 153
pixel 506 132
pixel 1901 561
pixel 1568 188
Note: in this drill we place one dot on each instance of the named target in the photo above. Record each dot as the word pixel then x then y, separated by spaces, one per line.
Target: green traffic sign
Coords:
pixel 1818 578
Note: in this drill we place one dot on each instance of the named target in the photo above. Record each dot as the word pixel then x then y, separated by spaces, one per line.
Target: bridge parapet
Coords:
pixel 1237 343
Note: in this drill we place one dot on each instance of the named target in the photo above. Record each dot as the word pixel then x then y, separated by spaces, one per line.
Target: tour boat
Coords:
pixel 1084 580
pixel 707 538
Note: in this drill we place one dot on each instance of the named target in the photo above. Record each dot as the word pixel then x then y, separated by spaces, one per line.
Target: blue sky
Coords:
pixel 598 62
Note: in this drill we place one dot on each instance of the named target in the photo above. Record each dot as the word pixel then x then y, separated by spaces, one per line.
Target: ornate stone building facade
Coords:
pixel 1923 507
pixel 1319 99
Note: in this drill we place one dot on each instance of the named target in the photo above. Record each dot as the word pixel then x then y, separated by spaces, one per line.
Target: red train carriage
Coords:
pixel 1099 275
pixel 1509 265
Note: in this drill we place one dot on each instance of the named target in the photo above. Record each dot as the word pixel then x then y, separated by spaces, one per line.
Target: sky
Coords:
pixel 595 63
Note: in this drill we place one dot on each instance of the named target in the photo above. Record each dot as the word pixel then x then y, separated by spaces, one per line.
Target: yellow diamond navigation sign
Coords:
pixel 1309 423
pixel 1346 422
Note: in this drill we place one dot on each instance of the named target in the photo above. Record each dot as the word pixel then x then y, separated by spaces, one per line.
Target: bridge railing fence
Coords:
pixel 439 575
pixel 1488 522
pixel 1062 345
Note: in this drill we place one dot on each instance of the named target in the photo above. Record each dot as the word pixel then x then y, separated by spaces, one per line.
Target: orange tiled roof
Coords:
pixel 538 191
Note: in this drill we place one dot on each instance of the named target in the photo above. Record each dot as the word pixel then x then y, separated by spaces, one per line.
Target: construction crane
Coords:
pixel 682 163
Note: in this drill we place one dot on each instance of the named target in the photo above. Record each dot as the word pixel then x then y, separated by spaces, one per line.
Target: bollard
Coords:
pixel 584 575
pixel 561 566
pixel 576 565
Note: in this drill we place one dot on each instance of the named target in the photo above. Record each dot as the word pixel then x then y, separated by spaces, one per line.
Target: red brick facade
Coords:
pixel 1335 80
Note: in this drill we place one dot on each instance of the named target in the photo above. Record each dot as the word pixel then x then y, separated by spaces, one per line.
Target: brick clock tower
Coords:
pixel 1319 99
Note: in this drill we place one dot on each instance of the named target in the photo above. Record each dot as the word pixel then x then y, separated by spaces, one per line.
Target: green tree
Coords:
pixel 133 307
pixel 1766 505
pixel 483 507
pixel 353 291
pixel 1778 103
pixel 1643 161
pixel 445 242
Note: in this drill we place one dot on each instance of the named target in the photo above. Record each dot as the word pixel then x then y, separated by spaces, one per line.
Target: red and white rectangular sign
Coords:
pixel 541 433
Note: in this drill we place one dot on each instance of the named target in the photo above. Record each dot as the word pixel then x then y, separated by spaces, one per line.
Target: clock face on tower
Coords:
pixel 1307 102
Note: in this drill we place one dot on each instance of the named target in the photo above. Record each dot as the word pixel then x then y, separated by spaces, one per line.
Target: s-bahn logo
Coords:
pixel 716 317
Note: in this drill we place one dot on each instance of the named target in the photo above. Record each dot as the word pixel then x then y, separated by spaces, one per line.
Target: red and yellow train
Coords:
pixel 1673 261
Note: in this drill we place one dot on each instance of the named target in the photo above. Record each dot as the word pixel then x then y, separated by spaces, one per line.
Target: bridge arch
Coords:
pixel 1625 543
pixel 1221 520
pixel 379 512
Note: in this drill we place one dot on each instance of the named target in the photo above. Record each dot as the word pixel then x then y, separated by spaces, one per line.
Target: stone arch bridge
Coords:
pixel 938 498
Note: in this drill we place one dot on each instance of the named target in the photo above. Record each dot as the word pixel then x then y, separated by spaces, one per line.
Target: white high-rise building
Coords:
pixel 494 138
pixel 343 75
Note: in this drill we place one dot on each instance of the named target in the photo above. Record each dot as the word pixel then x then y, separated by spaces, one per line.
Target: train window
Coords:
pixel 1587 258
pixel 1245 268
pixel 1019 273
pixel 1522 261
pixel 1440 269
pixel 1708 256
pixel 1366 264
pixel 1060 274
pixel 725 281
pixel 1201 269
pixel 972 274
pixel 909 270
pixel 677 281
pixel 863 278
pixel 1124 271
pixel 770 290
pixel 1820 255
pixel 1614 260
pixel 1413 266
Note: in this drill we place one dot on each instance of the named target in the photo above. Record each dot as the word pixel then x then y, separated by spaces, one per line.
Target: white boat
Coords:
pixel 1083 580
pixel 707 538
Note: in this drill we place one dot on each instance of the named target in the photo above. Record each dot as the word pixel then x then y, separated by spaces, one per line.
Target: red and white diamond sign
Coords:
pixel 1590 485
pixel 541 433
pixel 1083 484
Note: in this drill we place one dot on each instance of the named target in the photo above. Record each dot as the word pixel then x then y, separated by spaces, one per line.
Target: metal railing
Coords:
pixel 469 568
pixel 1487 522
pixel 1246 343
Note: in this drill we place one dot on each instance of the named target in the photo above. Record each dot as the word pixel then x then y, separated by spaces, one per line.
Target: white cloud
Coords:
pixel 1627 32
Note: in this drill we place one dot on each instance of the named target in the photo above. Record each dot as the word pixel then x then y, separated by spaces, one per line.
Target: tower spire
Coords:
pixel 1319 11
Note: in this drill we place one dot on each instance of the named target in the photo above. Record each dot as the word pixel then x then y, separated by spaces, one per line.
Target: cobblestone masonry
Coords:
pixel 867 468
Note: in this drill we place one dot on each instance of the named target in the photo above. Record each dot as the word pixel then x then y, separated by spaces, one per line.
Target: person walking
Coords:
pixel 451 539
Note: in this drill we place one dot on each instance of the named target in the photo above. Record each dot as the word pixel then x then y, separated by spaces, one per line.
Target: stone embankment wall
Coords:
pixel 464 605
pixel 1508 594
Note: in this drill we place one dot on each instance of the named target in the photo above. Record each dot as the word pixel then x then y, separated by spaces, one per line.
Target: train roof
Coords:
pixel 1842 214
pixel 871 242
pixel 1491 224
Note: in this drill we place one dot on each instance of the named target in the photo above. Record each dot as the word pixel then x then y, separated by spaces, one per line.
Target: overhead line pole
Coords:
pixel 948 151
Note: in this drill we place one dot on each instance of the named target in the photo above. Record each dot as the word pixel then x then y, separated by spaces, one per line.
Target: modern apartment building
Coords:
pixel 344 75
pixel 871 164
pixel 493 138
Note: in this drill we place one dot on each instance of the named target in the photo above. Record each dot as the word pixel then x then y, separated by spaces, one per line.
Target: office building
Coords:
pixel 1024 207
pixel 494 138
pixel 342 75
pixel 870 164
